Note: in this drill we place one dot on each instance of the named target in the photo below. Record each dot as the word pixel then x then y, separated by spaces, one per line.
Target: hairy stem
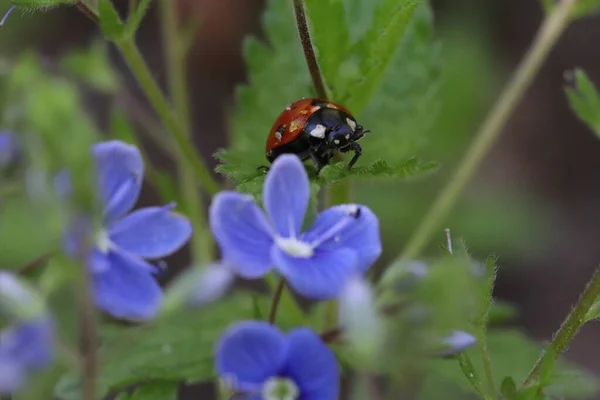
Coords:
pixel 547 36
pixel 202 246
pixel 309 51
pixel 567 331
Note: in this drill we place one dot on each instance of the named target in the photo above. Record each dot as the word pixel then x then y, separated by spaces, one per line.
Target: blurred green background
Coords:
pixel 535 200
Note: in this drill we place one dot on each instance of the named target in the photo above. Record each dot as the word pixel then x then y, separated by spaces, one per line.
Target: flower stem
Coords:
pixel 309 51
pixel 134 59
pixel 88 328
pixel 132 6
pixel 547 36
pixel 202 246
pixel 276 299
pixel 567 331
pixel 143 75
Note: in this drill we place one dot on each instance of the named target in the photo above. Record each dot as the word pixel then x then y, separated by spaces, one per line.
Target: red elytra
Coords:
pixel 314 128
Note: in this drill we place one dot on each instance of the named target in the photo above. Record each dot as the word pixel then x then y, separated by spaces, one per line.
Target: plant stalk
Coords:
pixel 547 36
pixel 309 51
pixel 568 329
pixel 202 246
pixel 143 75
pixel 276 300
pixel 134 59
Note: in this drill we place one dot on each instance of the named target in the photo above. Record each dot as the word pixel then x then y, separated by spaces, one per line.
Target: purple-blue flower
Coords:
pixel 27 344
pixel 257 359
pixel 122 279
pixel 342 242
pixel 9 148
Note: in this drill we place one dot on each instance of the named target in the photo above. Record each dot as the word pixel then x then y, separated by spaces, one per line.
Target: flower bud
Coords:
pixel 198 286
pixel 359 320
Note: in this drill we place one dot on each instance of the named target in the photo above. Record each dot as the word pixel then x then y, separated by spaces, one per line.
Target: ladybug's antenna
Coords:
pixel 11 9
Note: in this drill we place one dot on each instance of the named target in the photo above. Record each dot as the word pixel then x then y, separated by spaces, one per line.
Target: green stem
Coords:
pixel 143 75
pixel 547 36
pixel 487 361
pixel 138 66
pixel 202 246
pixel 567 331
pixel 132 6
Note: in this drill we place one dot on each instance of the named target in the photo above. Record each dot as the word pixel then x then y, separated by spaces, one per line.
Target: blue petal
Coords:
pixel 361 233
pixel 127 289
pixel 151 232
pixel 120 173
pixel 285 195
pixel 12 377
pixel 457 342
pixel 243 234
pixel 10 149
pixel 98 262
pixel 312 366
pixel 319 277
pixel 29 343
pixel 249 353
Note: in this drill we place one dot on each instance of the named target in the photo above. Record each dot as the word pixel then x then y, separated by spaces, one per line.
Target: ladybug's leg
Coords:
pixel 357 153
pixel 319 162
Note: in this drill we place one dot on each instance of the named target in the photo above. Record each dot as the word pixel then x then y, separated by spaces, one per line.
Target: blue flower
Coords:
pixel 123 282
pixel 27 344
pixel 342 242
pixel 456 343
pixel 256 358
pixel 9 149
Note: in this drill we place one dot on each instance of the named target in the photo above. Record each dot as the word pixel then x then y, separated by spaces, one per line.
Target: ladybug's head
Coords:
pixel 342 135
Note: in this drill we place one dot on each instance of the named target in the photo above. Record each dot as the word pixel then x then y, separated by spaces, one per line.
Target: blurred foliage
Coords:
pixel 420 96
pixel 584 99
pixel 176 348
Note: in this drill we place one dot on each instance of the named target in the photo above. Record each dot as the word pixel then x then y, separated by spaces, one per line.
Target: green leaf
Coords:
pixel 593 313
pixel 156 390
pixel 508 388
pixel 175 348
pixel 410 168
pixel 277 76
pixel 584 99
pixel 402 111
pixel 513 354
pixel 375 51
pixel 470 373
pixel 110 22
pixel 400 66
pixel 41 5
pixel 331 41
pixel 353 72
pixel 586 7
pixel 501 312
pixel 93 67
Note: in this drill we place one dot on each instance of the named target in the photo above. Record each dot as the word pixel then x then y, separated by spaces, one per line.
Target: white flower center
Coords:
pixel 280 389
pixel 294 247
pixel 103 242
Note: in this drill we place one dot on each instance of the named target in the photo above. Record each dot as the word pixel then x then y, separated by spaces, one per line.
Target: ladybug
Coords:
pixel 315 128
